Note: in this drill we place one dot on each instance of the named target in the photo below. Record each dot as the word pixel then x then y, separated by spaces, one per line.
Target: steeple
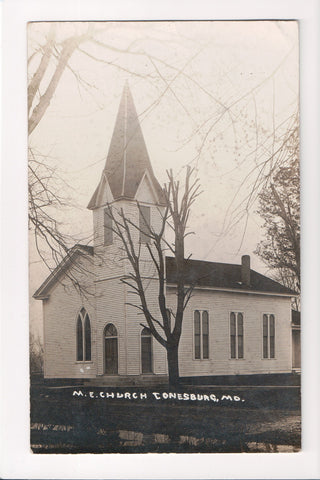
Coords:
pixel 127 159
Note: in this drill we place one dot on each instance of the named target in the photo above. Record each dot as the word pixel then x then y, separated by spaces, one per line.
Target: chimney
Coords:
pixel 245 270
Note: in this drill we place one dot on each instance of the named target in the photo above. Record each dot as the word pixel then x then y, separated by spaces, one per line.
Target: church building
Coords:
pixel 237 322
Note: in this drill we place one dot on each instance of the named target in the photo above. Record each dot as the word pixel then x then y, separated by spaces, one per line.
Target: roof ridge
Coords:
pixel 208 261
pixel 198 272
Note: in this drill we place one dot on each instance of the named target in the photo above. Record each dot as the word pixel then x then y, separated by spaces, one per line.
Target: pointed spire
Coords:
pixel 128 157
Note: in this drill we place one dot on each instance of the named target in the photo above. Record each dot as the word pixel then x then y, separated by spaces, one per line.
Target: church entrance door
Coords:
pixel 110 350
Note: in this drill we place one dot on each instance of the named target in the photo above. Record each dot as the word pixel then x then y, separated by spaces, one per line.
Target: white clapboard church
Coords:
pixel 238 322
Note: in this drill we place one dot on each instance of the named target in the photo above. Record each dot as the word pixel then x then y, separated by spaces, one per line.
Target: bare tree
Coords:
pixel 38 101
pixel 46 188
pixel 44 183
pixel 52 57
pixel 175 213
pixel 279 206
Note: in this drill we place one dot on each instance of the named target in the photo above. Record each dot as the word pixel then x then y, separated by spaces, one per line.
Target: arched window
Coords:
pixel 110 350
pixel 83 337
pixel 110 330
pixel 87 338
pixel 146 351
pixel 79 339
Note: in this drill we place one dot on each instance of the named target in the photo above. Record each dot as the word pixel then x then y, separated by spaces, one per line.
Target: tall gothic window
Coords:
pixel 79 339
pixel 87 338
pixel 83 333
pixel 236 334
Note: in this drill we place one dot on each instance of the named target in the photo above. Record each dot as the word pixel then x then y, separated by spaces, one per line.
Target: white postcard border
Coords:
pixel 17 461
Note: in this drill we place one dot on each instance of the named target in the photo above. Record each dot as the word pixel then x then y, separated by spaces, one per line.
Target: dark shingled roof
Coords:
pixel 223 275
pixel 128 157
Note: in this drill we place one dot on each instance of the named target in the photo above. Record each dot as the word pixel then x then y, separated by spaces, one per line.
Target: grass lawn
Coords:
pixel 220 419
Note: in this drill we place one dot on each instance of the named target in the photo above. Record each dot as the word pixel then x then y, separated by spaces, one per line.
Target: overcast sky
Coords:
pixel 215 95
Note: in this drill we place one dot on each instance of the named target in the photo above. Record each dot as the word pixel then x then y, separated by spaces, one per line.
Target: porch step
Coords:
pixel 126 380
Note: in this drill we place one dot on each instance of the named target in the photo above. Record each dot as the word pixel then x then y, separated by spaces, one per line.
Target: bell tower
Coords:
pixel 127 175
pixel 127 183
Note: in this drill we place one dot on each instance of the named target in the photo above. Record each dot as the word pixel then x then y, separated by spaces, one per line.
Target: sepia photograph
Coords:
pixel 164 236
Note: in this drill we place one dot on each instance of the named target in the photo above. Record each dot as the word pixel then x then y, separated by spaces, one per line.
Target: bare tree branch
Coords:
pixel 175 211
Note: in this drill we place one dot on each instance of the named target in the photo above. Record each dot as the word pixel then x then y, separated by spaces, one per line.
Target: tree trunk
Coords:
pixel 173 364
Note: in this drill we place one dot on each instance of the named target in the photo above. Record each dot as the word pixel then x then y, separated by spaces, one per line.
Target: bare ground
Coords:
pixel 262 420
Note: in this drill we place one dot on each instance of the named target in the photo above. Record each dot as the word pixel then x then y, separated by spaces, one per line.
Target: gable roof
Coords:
pixel 223 276
pixel 54 276
pixel 128 158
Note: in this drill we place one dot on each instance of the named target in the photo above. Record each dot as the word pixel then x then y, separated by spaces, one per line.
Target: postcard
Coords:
pixel 164 236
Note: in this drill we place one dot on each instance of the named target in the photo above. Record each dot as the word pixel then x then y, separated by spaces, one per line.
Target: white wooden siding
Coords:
pixel 134 321
pixel 219 305
pixel 109 304
pixel 60 313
